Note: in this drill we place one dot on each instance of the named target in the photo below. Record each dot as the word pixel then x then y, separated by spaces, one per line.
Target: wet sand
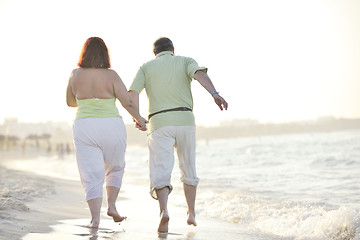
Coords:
pixel 40 207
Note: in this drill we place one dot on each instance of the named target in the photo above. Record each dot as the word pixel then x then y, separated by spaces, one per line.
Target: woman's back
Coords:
pixel 94 88
pixel 88 83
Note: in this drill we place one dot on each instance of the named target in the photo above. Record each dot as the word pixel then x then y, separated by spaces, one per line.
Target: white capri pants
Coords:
pixel 100 145
pixel 161 144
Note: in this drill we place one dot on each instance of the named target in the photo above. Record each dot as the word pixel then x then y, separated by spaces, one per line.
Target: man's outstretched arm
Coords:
pixel 206 82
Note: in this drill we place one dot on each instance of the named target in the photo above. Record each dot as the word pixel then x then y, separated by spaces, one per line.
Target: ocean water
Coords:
pixel 303 186
pixel 300 186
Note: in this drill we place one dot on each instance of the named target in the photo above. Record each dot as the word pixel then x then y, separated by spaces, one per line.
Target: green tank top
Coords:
pixel 96 108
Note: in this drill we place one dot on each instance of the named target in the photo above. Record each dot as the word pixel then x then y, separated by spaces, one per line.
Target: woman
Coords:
pixel 99 131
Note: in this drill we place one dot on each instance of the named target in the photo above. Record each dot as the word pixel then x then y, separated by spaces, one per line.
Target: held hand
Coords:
pixel 220 102
pixel 140 123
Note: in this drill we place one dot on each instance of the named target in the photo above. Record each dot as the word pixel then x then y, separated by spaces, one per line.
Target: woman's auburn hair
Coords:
pixel 94 54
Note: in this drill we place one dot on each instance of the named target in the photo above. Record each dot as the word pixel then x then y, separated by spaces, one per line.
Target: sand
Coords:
pixel 31 203
pixel 38 213
pixel 38 207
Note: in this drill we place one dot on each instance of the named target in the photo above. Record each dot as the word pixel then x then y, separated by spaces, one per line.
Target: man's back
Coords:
pixel 167 81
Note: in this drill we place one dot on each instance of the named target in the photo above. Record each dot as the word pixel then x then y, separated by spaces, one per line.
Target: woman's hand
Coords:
pixel 141 123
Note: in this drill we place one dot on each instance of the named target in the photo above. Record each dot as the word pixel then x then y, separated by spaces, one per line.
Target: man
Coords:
pixel 167 81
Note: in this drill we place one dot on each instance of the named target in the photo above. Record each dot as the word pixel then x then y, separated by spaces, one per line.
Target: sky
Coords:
pixel 273 61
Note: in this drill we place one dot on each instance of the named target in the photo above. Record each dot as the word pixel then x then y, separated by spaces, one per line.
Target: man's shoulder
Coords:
pixel 156 61
pixel 185 59
pixel 182 57
pixel 151 63
pixel 148 63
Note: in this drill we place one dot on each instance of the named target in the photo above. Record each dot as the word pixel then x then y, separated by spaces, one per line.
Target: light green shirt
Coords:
pixel 167 81
pixel 96 108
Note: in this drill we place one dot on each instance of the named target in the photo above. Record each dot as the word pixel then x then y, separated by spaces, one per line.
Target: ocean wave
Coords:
pixel 284 219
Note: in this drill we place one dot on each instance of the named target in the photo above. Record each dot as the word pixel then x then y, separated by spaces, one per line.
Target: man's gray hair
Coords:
pixel 163 44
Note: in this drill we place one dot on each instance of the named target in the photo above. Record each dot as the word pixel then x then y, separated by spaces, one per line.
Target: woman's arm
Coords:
pixel 128 103
pixel 70 98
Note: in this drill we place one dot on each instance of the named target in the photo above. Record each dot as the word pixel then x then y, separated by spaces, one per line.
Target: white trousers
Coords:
pixel 100 145
pixel 161 144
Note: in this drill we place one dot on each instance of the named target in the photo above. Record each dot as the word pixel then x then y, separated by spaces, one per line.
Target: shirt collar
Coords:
pixel 164 53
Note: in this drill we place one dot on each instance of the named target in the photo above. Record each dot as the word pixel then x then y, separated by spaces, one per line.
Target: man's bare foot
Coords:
pixel 115 215
pixel 191 219
pixel 93 224
pixel 164 222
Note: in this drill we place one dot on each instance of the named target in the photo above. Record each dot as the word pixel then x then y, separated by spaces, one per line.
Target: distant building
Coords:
pixel 323 119
pixel 59 131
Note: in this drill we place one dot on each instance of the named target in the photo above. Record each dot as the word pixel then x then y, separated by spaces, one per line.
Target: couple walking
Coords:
pixel 100 134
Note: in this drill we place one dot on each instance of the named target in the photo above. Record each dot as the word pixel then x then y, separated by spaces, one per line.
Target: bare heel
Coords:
pixel 164 222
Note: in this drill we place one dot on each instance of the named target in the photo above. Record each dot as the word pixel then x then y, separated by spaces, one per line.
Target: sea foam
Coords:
pixel 286 219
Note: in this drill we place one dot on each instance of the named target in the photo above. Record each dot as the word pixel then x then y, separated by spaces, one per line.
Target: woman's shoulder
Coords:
pixel 75 71
pixel 112 73
pixel 93 70
pixel 99 72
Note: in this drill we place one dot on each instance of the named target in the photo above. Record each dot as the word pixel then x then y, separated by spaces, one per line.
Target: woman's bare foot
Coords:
pixel 93 224
pixel 112 212
pixel 164 222
pixel 191 219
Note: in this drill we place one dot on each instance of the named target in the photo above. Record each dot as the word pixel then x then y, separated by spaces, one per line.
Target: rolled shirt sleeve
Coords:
pixel 138 83
pixel 192 67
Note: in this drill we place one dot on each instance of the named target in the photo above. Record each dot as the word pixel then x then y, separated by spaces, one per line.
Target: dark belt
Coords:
pixel 170 110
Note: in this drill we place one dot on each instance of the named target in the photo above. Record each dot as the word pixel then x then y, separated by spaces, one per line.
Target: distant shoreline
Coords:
pixel 268 129
pixel 50 135
pixel 257 130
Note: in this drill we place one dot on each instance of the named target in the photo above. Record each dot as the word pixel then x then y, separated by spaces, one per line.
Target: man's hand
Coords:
pixel 140 123
pixel 220 101
pixel 206 82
